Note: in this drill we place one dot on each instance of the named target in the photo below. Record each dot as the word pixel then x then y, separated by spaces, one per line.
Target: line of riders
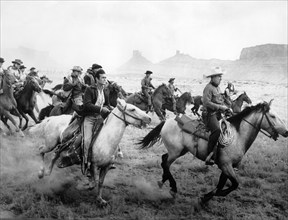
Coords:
pixel 87 98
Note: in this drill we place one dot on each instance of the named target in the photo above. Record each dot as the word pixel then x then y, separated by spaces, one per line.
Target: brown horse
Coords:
pixel 26 99
pixel 245 127
pixel 236 104
pixel 181 103
pixel 159 97
pixel 8 103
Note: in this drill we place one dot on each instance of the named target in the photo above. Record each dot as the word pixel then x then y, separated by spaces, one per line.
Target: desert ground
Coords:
pixel 131 189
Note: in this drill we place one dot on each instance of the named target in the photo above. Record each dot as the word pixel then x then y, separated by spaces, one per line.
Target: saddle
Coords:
pixel 140 97
pixel 197 128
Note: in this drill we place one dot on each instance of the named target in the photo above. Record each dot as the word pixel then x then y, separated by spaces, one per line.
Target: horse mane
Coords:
pixel 158 88
pixel 236 119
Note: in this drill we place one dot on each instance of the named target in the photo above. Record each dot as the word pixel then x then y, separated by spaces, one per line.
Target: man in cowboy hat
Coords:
pixel 33 72
pixel 173 89
pixel 15 70
pixel 146 87
pixel 75 85
pixel 229 93
pixel 213 102
pixel 1 75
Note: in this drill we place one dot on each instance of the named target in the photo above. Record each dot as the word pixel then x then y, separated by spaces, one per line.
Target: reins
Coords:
pixel 259 129
pixel 124 116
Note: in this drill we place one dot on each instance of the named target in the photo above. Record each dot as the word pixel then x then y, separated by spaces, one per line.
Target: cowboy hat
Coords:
pixel 77 68
pixel 96 66
pixel 22 67
pixel 171 79
pixel 18 61
pixel 148 72
pixel 2 60
pixel 217 71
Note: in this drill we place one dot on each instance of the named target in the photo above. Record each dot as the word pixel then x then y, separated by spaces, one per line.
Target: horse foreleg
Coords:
pixel 102 174
pixel 15 112
pixel 9 116
pixel 221 184
pixel 32 115
pixel 26 119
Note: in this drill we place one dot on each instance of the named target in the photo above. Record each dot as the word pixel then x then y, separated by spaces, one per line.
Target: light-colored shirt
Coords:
pixel 100 99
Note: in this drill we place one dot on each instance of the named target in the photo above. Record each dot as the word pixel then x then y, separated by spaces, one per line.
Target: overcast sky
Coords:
pixel 85 32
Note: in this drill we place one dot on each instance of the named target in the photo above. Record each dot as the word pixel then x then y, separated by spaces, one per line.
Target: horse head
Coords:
pixel 43 80
pixel 33 83
pixel 163 90
pixel 246 98
pixel 132 114
pixel 272 123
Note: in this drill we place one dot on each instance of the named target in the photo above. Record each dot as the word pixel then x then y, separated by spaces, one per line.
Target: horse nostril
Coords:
pixel 286 134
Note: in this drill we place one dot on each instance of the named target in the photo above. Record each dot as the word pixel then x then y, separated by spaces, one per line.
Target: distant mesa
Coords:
pixel 264 51
pixel 266 62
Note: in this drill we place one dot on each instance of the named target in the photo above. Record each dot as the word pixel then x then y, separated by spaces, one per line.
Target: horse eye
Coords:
pixel 133 110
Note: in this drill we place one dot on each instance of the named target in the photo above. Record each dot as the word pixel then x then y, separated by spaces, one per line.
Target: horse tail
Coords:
pixel 152 137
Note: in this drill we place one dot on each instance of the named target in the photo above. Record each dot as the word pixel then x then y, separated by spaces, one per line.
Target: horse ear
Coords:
pixel 270 102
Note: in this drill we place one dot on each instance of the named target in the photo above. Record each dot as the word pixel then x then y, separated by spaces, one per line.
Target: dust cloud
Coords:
pixel 20 162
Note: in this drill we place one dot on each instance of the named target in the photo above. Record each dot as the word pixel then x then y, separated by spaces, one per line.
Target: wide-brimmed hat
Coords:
pixel 22 67
pixel 18 61
pixel 148 72
pixel 171 79
pixel 77 68
pixel 96 66
pixel 217 71
pixel 2 60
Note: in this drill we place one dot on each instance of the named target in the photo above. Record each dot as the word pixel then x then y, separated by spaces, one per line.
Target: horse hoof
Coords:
pixel 120 154
pixel 160 184
pixel 41 173
pixel 173 194
pixel 102 202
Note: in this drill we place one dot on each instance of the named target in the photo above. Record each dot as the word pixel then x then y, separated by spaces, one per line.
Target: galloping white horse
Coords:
pixel 105 146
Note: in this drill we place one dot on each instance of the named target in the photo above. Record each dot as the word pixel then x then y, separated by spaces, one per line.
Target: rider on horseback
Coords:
pixel 212 103
pixel 94 111
pixel 146 87
pixel 75 85
pixel 1 74
pixel 18 74
pixel 228 93
pixel 173 89
pixel 89 78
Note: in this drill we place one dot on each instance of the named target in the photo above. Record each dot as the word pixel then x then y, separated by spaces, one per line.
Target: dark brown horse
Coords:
pixel 245 127
pixel 236 104
pixel 8 103
pixel 181 103
pixel 26 99
pixel 159 97
pixel 114 91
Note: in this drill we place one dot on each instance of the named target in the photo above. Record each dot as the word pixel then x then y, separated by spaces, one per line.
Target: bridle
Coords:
pixel 124 113
pixel 274 136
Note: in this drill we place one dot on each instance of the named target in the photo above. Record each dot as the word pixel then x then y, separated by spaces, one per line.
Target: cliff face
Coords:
pixel 264 51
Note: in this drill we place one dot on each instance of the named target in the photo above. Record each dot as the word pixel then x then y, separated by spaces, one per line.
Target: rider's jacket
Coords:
pixel 20 77
pixel 172 88
pixel 212 98
pixel 146 83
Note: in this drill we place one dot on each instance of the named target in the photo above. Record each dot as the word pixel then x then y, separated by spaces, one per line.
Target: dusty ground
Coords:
pixel 131 188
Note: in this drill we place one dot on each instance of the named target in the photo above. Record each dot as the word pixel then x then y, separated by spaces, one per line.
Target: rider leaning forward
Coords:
pixel 213 103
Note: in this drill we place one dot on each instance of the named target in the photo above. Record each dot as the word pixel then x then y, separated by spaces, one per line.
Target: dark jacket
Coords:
pixel 212 98
pixel 89 100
